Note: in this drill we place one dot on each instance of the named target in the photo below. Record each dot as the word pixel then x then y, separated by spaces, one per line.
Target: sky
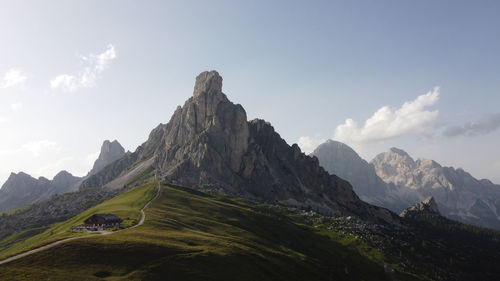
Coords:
pixel 422 76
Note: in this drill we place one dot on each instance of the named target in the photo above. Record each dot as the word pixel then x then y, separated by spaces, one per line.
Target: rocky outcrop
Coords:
pixel 341 160
pixel 22 189
pixel 110 152
pixel 429 205
pixel 208 144
pixel 460 196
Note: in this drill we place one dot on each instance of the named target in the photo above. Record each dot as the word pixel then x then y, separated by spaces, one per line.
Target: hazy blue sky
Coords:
pixel 74 73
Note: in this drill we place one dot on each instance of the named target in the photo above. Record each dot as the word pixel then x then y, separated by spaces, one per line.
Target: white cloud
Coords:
pixel 386 123
pixel 308 144
pixel 16 106
pixel 35 148
pixel 90 159
pixel 13 77
pixel 38 147
pixel 87 77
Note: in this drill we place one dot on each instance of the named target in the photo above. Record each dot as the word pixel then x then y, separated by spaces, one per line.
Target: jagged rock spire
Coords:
pixel 428 205
pixel 110 152
pixel 208 82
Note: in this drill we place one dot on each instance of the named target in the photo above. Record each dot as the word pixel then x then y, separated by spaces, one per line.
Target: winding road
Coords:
pixel 53 244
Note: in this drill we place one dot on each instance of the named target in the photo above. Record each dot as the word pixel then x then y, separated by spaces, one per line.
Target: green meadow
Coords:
pixel 190 235
pixel 127 206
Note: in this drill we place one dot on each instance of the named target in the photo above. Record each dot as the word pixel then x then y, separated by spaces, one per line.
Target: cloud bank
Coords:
pixel 387 123
pixel 87 77
pixel 13 77
pixel 485 125
pixel 35 148
pixel 308 144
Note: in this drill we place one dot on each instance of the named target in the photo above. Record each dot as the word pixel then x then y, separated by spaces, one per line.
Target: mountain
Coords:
pixel 208 144
pixel 22 189
pixel 429 205
pixel 341 160
pixel 459 195
pixel 110 152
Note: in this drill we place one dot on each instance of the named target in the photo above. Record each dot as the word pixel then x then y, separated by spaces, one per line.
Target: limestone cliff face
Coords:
pixel 208 144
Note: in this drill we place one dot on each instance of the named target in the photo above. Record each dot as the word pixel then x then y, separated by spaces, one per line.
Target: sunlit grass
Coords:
pixel 126 206
pixel 190 235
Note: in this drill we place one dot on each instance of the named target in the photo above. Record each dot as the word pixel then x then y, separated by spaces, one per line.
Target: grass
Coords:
pixel 190 235
pixel 127 206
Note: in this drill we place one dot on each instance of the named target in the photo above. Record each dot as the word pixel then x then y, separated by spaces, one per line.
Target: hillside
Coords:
pixel 126 206
pixel 191 235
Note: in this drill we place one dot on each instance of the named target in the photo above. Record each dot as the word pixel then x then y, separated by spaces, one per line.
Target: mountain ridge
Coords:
pixel 406 181
pixel 455 190
pixel 22 189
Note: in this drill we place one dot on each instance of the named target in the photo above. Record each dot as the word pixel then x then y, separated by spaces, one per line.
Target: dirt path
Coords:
pixel 53 244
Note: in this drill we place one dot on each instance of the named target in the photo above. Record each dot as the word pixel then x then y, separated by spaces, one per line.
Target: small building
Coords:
pixel 102 221
pixel 388 268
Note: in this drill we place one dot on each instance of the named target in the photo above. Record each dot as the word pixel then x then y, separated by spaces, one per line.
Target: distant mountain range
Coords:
pixel 395 181
pixel 22 189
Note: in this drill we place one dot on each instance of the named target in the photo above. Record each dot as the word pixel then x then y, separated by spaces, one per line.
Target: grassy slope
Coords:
pixel 126 206
pixel 192 236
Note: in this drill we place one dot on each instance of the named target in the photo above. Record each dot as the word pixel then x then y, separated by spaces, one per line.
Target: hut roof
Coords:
pixel 103 218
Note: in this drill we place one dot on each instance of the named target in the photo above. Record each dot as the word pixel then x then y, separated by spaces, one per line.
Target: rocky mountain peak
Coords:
pixel 428 205
pixel 431 204
pixel 64 177
pixel 208 117
pixel 394 166
pixel 398 151
pixel 427 164
pixel 208 83
pixel 14 179
pixel 208 144
pixel 341 160
pixel 110 152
